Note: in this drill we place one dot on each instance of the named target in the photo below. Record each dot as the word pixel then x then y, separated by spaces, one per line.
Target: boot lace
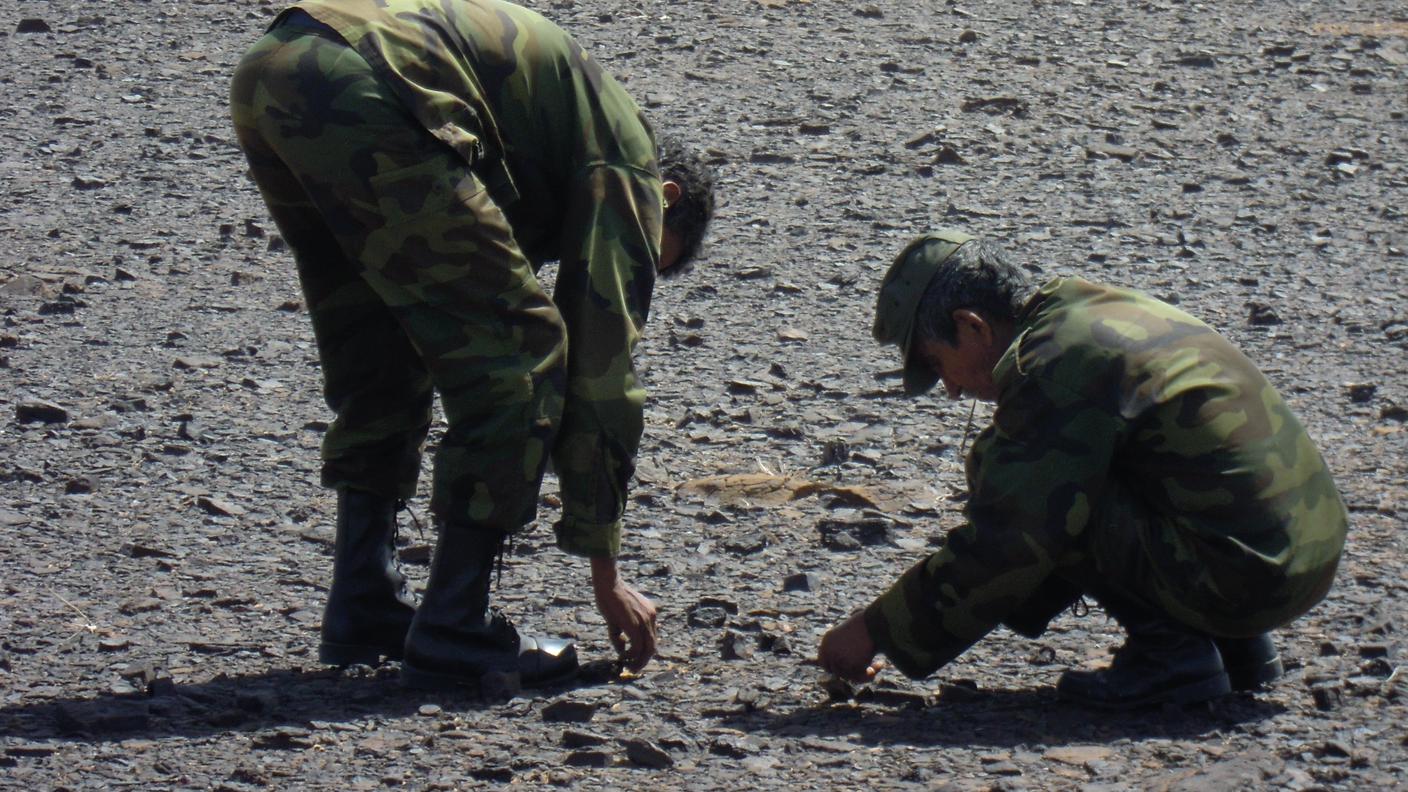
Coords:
pixel 1080 608
pixel 404 506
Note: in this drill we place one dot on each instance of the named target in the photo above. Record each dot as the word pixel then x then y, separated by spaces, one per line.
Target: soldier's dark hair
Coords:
pixel 690 215
pixel 977 277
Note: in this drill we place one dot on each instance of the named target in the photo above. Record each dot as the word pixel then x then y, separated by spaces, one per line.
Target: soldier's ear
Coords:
pixel 673 191
pixel 973 322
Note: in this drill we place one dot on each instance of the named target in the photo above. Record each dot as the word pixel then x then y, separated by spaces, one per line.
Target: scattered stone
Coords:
pixel 193 363
pixel 1078 755
pixel 959 691
pixel 710 612
pixel 573 738
pixel 81 485
pixel 800 581
pixel 837 689
pixel 285 738
pixel 40 411
pixel 842 534
pixel 1262 314
pixel 569 711
pixel 735 645
pixel 26 286
pixel 587 759
pixel 218 507
pixel 1361 392
pixel 1327 695
pixel 647 754
pixel 141 550
pixel 30 750
pixel 747 543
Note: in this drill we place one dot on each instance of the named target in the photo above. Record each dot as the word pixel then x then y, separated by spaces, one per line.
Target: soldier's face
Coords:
pixel 670 246
pixel 965 366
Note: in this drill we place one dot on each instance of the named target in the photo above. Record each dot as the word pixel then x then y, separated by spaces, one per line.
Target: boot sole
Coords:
pixel 336 654
pixel 1244 679
pixel 1187 693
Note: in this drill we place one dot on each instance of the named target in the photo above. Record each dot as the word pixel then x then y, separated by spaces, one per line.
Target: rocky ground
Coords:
pixel 165 547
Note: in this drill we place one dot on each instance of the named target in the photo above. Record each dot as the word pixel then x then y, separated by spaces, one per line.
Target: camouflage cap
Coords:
pixel 900 291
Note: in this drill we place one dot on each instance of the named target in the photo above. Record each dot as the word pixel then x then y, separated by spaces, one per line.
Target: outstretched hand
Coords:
pixel 630 615
pixel 848 652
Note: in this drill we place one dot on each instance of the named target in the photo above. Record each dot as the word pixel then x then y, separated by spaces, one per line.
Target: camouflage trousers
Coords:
pixel 414 283
pixel 1131 553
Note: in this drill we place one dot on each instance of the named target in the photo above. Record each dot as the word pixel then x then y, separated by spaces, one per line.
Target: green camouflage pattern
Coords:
pixel 1133 445
pixel 423 163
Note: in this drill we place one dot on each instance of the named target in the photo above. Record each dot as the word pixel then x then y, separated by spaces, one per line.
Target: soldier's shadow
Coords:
pixel 1000 718
pixel 282 702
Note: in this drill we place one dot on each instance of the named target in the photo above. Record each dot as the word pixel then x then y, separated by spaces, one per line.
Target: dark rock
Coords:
pixel 1373 650
pixel 841 534
pixel 78 486
pixel 835 452
pixel 40 411
pixel 996 105
pixel 710 612
pixel 800 581
pixel 32 25
pixel 746 544
pixel 1327 695
pixel 647 754
pixel 1361 392
pixel 569 711
pixel 1262 315
pixel 218 507
pixel 498 775
pixel 286 738
pixel 587 759
pixel 735 645
pixel 573 738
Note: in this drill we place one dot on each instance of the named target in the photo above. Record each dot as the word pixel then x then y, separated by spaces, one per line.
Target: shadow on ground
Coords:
pixel 1001 718
pixel 286 701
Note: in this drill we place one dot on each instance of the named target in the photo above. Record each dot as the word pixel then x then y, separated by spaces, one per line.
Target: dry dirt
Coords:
pixel 165 546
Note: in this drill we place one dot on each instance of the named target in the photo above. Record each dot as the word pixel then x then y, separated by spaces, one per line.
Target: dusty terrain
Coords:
pixel 165 546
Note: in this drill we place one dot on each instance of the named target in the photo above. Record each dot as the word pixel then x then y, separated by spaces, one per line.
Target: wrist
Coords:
pixel 604 574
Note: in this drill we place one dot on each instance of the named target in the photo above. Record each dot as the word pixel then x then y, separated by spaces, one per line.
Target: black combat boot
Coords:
pixel 1250 662
pixel 456 638
pixel 369 608
pixel 1160 662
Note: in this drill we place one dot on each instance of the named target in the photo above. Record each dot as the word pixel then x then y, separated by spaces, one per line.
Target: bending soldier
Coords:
pixel 1134 456
pixel 423 159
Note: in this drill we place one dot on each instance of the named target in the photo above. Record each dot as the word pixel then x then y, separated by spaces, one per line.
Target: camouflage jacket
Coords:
pixel 1102 384
pixel 572 161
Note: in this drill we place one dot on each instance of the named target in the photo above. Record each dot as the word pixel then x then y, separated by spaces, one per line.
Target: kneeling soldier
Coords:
pixel 1135 456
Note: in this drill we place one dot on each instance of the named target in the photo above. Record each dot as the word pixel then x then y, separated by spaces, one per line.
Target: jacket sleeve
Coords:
pixel 611 243
pixel 1033 477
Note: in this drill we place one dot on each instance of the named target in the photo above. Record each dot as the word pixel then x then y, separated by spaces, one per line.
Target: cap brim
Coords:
pixel 919 378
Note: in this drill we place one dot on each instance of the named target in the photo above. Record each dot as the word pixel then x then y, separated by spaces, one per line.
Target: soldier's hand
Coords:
pixel 848 652
pixel 630 615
